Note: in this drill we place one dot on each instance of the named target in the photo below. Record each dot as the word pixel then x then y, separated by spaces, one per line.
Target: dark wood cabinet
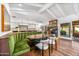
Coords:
pixel 53 26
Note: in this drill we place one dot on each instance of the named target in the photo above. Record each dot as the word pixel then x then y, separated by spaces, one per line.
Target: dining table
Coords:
pixel 39 37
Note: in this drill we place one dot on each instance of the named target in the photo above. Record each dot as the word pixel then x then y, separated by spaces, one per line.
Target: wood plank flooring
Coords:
pixel 67 48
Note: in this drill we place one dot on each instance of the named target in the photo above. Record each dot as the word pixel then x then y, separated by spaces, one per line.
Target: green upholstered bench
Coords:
pixel 18 44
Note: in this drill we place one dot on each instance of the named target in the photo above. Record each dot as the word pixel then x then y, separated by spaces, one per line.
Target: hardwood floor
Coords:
pixel 67 48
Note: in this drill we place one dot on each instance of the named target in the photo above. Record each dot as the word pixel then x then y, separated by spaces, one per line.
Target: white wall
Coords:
pixel 67 19
pixel 7 17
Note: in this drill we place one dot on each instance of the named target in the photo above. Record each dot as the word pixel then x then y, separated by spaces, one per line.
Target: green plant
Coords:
pixel 62 32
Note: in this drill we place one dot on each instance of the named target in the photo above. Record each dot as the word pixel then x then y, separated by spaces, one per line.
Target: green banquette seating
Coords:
pixel 18 44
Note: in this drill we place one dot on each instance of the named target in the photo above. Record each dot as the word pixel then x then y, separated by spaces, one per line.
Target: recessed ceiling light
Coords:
pixel 20 4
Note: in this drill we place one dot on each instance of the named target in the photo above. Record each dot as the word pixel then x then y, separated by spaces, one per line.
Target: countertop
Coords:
pixel 4 34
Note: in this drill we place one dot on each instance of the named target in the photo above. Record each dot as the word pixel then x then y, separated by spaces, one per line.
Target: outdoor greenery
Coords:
pixel 62 32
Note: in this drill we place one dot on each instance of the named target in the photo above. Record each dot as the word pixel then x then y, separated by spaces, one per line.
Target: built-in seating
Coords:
pixel 18 44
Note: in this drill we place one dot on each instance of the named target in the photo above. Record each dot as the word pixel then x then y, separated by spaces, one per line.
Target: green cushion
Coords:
pixel 25 35
pixel 19 43
pixel 21 46
pixel 16 37
pixel 21 52
pixel 11 44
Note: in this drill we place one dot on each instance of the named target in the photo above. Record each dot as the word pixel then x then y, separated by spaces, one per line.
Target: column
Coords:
pixel 2 18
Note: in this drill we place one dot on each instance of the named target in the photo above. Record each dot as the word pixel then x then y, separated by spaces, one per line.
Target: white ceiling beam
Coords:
pixel 35 5
pixel 21 10
pixel 25 13
pixel 16 9
pixel 76 8
pixel 38 5
pixel 59 8
pixel 45 7
pixel 29 14
pixel 51 13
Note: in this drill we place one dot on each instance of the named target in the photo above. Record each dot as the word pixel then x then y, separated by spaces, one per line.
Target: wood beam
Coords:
pixel 2 18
